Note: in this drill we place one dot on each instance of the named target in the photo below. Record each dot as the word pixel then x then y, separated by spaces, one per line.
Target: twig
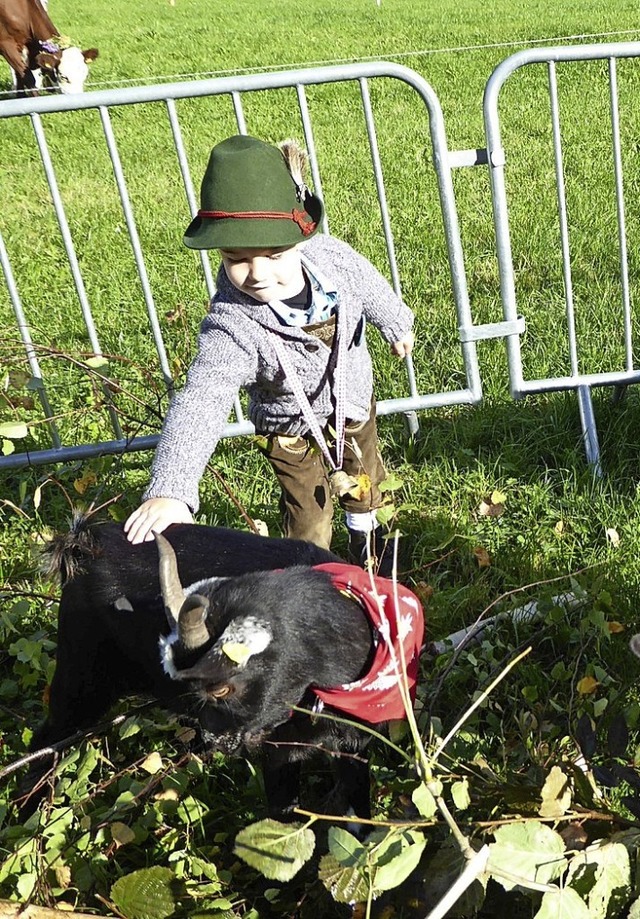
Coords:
pixel 481 698
pixel 474 867
pixel 69 741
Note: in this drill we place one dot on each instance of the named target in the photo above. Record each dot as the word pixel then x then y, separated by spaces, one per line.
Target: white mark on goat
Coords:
pixel 251 633
pixel 123 604
pixel 165 643
pixel 196 587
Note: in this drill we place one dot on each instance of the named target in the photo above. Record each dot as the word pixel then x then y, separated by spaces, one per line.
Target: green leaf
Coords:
pixel 129 728
pixel 460 794
pixel 556 794
pixel 150 893
pixel 424 801
pixel 25 885
pixel 8 447
pixel 385 513
pixel 344 847
pixel 601 874
pixel 277 850
pixel 397 869
pixel 562 904
pixel 191 810
pixel 525 853
pixel 391 483
pixel 97 362
pixel 13 430
pixel 121 833
pixel 346 885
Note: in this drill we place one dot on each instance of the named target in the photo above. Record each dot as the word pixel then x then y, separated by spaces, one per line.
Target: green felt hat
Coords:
pixel 253 196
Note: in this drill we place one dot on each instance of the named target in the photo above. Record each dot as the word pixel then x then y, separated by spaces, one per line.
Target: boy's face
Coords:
pixel 264 274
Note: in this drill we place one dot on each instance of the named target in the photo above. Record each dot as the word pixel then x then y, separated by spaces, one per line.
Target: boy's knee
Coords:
pixel 318 531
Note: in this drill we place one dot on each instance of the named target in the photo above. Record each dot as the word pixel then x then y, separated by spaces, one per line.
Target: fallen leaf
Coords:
pixel 362 488
pixel 487 508
pixel 587 685
pixel 63 876
pixel 177 313
pixel 86 479
pixel 482 557
pixel 613 537
pixel 169 794
pixel 615 627
pixel 423 592
pixel 341 483
pixel 575 836
pixel 559 528
pixel 185 735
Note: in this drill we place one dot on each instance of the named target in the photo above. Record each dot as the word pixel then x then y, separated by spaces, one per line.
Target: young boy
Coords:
pixel 287 324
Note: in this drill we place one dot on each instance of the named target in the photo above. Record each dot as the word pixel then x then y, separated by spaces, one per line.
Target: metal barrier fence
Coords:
pixel 576 379
pixel 236 90
pixel 237 93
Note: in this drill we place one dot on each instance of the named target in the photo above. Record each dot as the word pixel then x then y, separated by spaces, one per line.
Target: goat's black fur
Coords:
pixel 112 617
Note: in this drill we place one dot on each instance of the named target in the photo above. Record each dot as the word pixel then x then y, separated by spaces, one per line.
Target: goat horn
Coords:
pixel 192 629
pixel 172 592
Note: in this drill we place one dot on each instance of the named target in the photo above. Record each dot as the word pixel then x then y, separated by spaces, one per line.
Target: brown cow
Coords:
pixel 29 42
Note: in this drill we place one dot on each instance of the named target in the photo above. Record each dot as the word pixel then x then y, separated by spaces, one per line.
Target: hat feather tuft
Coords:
pixel 297 161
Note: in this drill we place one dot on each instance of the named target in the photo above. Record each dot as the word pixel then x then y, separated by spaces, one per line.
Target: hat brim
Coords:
pixel 253 232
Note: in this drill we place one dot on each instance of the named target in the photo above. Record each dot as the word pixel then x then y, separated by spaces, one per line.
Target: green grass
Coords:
pixel 552 536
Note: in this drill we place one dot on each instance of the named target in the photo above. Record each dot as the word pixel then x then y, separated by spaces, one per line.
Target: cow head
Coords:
pixel 65 68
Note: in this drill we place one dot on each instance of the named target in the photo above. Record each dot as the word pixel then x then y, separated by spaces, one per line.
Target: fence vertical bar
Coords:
pixel 620 212
pixel 310 147
pixel 25 335
pixel 188 185
pixel 135 243
pixel 74 267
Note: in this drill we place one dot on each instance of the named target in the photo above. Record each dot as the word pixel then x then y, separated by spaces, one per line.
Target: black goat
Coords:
pixel 258 631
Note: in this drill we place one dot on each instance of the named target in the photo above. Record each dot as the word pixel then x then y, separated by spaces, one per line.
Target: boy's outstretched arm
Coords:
pixel 155 514
pixel 405 346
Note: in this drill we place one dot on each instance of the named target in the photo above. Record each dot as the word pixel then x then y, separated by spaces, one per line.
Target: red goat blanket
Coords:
pixel 376 697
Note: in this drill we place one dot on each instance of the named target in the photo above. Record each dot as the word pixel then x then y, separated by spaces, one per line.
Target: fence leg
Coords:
pixel 589 432
pixel 618 394
pixel 411 423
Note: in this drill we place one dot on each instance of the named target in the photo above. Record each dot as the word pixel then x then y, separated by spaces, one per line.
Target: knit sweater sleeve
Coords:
pixel 380 303
pixel 199 412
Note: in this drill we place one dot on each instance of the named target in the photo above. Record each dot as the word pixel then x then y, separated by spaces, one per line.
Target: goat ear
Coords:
pixel 90 54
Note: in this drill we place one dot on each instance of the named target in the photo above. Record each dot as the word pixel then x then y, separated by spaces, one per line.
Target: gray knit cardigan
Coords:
pixel 235 351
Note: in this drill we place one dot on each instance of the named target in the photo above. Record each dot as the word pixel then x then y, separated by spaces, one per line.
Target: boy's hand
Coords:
pixel 155 514
pixel 405 346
